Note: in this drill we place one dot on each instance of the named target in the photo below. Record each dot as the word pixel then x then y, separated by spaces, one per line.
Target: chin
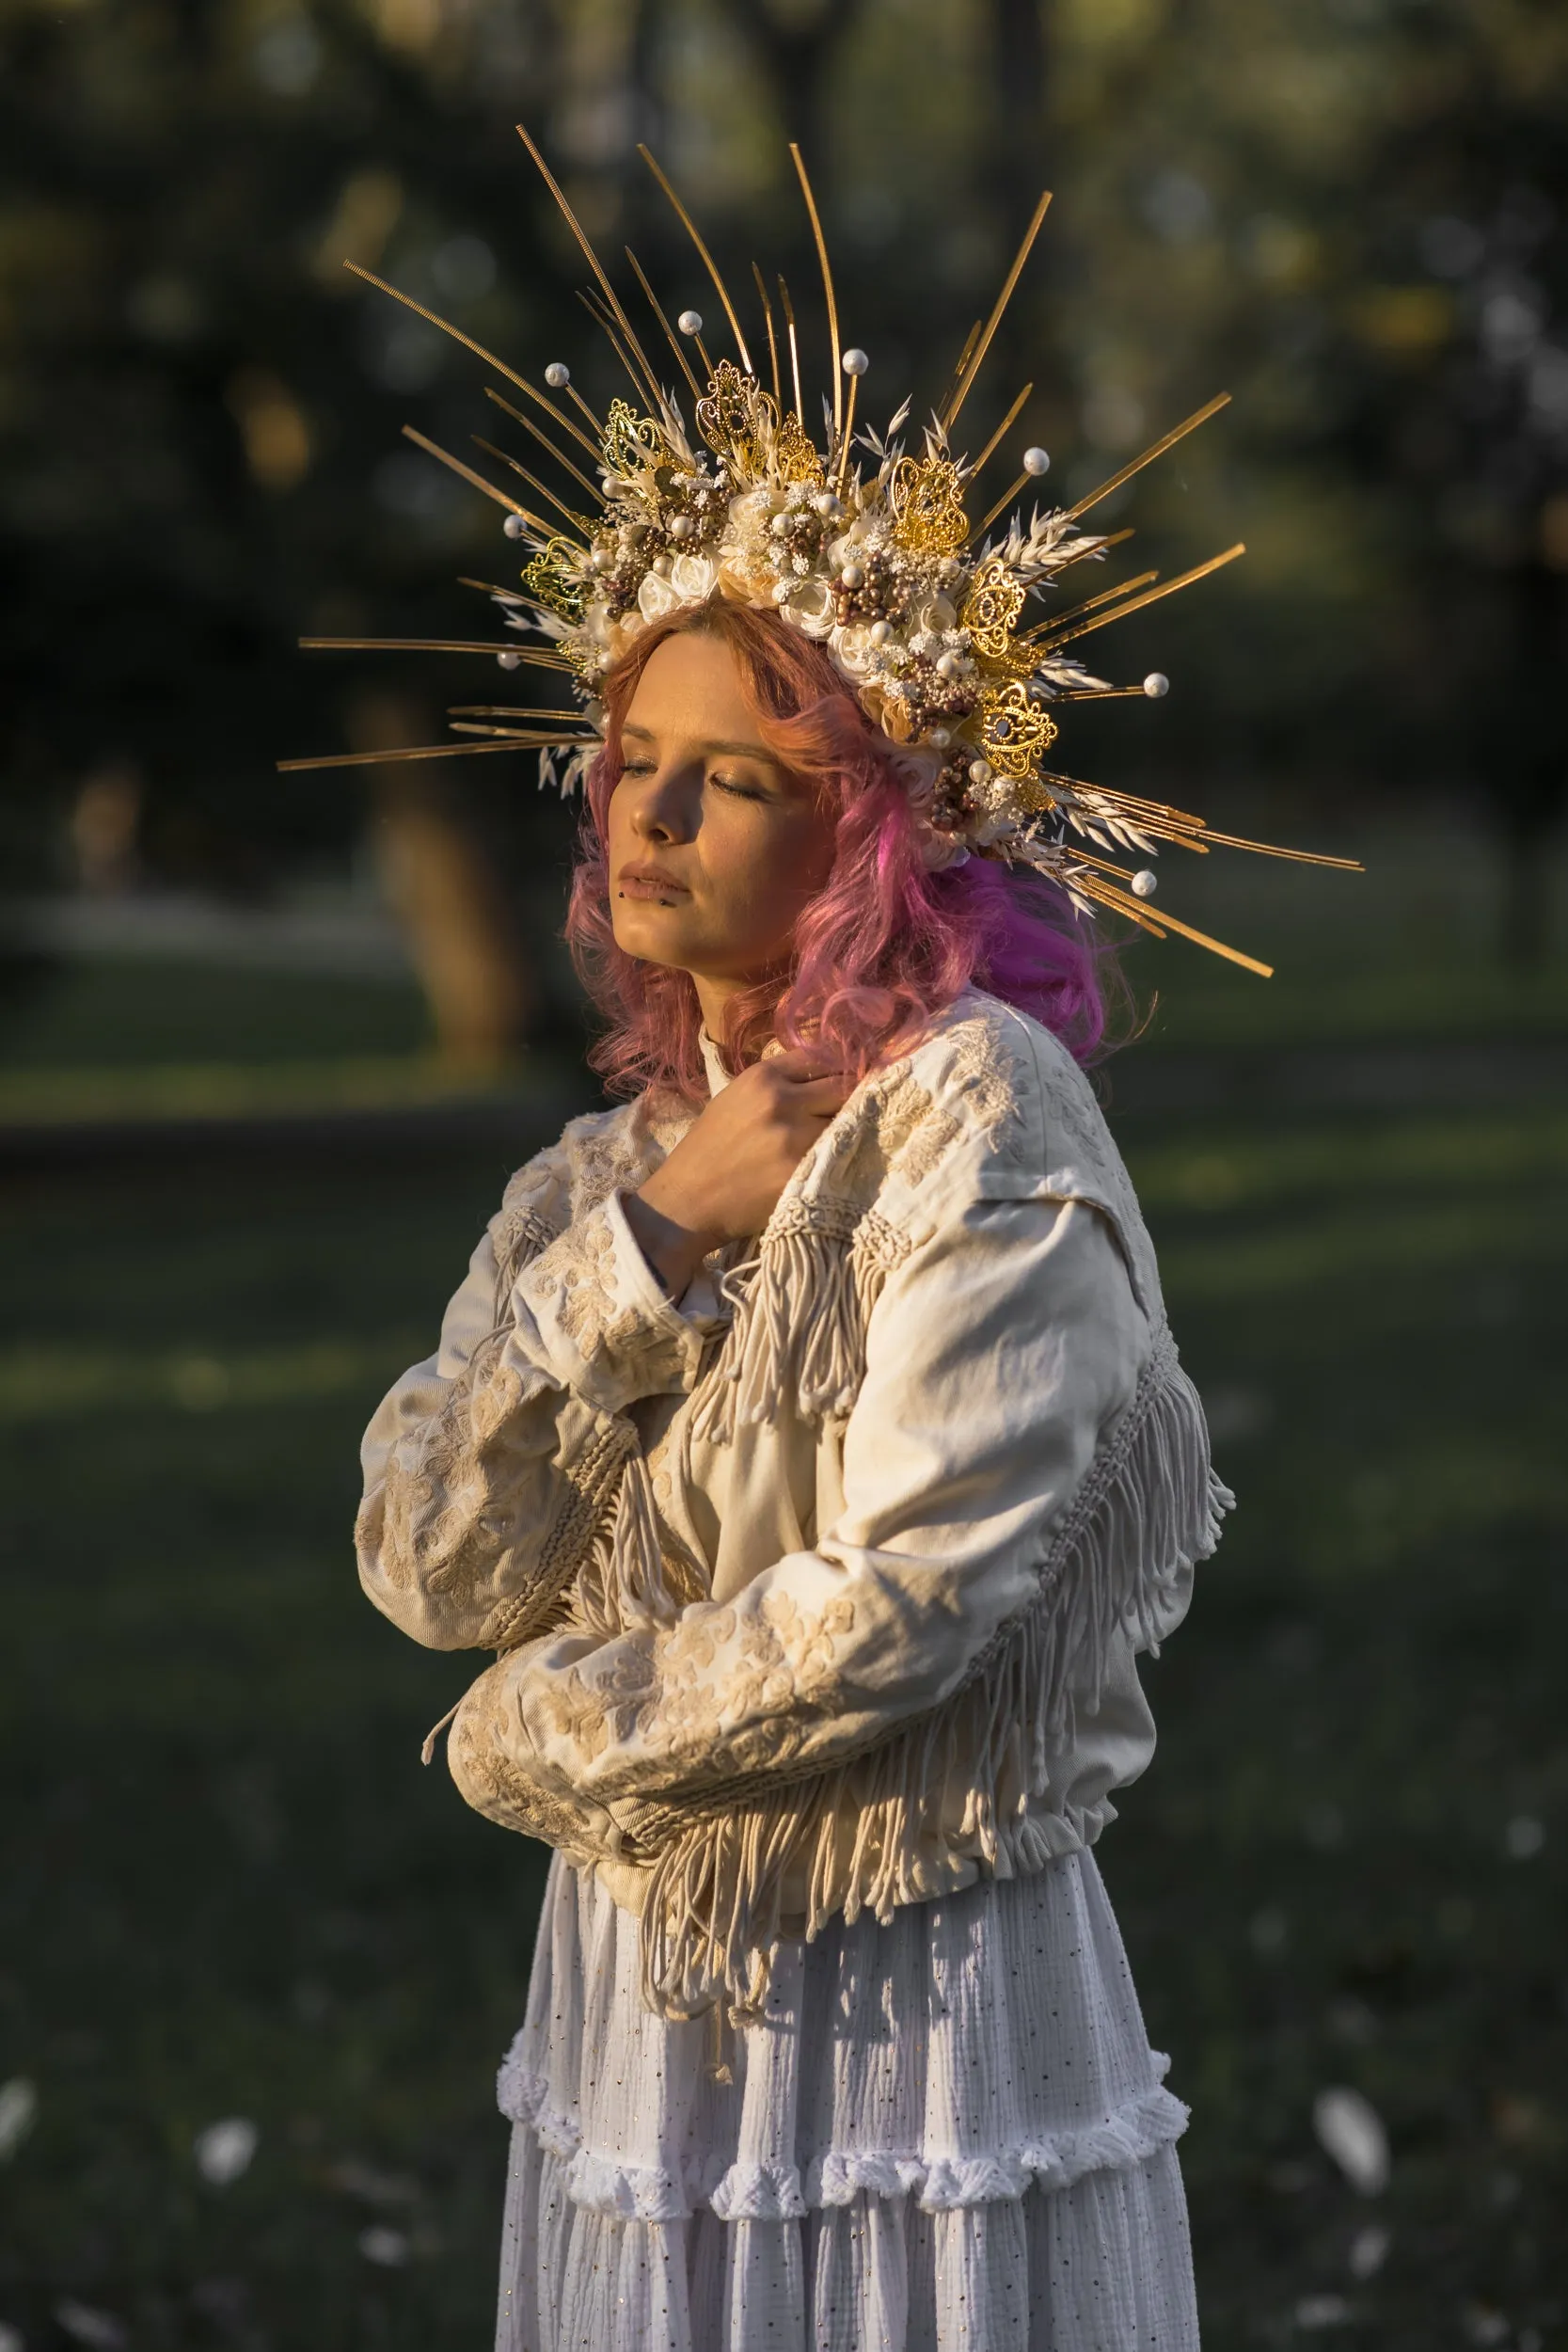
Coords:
pixel 650 932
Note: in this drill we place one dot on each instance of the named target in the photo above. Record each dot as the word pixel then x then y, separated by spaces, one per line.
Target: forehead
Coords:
pixel 693 687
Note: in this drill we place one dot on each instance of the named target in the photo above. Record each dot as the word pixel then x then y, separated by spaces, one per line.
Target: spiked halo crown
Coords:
pixel 861 545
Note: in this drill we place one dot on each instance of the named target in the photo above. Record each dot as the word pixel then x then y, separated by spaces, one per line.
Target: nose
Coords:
pixel 665 808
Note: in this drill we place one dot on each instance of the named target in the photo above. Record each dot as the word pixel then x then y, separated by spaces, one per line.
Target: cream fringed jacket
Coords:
pixel 820 1587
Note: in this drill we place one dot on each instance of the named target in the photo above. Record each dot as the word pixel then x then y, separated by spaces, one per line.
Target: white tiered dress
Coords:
pixel 946 2135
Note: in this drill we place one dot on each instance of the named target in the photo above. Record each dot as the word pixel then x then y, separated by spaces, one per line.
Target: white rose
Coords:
pixel 811 606
pixel 656 597
pixel 693 577
pixel 852 648
pixel 936 614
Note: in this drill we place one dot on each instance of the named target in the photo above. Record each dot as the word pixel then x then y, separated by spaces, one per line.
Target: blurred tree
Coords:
pixel 1354 214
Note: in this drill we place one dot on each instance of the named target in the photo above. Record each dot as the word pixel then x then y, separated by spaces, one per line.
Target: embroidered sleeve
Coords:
pixel 997 1357
pixel 491 1467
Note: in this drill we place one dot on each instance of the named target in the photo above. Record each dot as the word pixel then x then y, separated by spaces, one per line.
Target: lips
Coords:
pixel 648 881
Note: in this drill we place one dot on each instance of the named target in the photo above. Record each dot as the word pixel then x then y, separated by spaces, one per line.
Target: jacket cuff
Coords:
pixel 604 1323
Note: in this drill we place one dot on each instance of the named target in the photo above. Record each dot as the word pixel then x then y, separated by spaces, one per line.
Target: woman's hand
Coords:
pixel 722 1181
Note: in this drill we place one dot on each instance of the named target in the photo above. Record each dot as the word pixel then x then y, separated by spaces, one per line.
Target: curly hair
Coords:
pixel 883 949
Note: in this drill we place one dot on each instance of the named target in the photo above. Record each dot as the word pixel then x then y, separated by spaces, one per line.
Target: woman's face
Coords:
pixel 714 849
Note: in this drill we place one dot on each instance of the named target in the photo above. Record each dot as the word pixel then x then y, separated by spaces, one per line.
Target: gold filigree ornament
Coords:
pixel 926 497
pixel 631 442
pixel 550 576
pixel 794 457
pixel 736 419
pixel 1015 730
pixel 878 563
pixel 991 609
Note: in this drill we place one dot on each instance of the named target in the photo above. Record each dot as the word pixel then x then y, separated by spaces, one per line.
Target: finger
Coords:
pixel 799 1062
pixel 823 1095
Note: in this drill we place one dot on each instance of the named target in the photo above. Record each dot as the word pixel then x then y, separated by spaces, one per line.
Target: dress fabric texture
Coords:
pixel 947 2134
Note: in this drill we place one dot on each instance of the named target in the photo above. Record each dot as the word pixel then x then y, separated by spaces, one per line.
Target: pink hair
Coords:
pixel 884 947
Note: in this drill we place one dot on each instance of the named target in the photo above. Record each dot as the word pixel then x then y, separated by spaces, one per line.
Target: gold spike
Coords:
pixel 584 522
pixel 597 422
pixel 527 735
pixel 1158 449
pixel 793 348
pixel 1151 595
pixel 1006 500
pixel 434 449
pixel 1006 426
pixel 1124 903
pixel 670 335
pixel 541 655
pixel 414 750
pixel 592 446
pixel 1096 694
pixel 1297 857
pixel 827 289
pixel 773 339
pixel 971 367
pixel 435 320
pixel 488 356
pixel 1122 588
pixel 510 711
pixel 645 388
pixel 848 435
pixel 544 442
pixel 960 364
pixel 691 226
pixel 593 259
pixel 1148 814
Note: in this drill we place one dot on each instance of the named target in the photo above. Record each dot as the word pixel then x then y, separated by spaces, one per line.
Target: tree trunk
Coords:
pixel 462 937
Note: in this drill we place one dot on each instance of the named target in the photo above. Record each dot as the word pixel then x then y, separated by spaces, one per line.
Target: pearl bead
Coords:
pixel 940 738
pixel 853 576
pixel 1156 684
pixel 558 376
pixel 682 527
pixel 880 632
pixel 508 661
pixel 690 322
pixel 782 526
pixel 980 771
pixel 854 361
pixel 662 565
pixel 826 504
pixel 513 526
pixel 1144 883
pixel 947 665
pixel 949 568
pixel 1036 461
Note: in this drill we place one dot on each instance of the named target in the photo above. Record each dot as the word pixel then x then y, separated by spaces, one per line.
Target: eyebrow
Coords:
pixel 740 751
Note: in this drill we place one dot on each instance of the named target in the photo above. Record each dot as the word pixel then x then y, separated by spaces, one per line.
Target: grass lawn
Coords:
pixel 231 1889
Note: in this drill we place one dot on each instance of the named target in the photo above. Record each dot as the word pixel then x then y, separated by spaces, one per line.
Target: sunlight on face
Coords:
pixel 714 849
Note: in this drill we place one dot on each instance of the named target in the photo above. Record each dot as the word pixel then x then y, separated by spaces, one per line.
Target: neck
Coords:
pixel 713 995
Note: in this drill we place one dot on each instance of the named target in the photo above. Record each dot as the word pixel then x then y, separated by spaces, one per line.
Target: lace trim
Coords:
pixel 1128 2135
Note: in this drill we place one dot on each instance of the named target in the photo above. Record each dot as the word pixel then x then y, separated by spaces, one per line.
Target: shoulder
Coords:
pixel 597 1153
pixel 989 1105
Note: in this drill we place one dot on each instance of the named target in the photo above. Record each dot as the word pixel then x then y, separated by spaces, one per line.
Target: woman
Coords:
pixel 808 1441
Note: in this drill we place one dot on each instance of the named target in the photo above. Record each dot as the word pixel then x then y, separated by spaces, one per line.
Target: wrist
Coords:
pixel 672 1247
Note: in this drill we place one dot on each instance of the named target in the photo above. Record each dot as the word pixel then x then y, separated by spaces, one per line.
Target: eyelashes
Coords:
pixel 737 792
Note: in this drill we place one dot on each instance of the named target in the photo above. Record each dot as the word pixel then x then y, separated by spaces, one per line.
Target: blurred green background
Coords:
pixel 269 1047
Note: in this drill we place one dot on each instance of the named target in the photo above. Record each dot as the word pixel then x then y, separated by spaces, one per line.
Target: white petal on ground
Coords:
pixel 388 2248
pixel 1321 2310
pixel 19 2106
pixel 101 2330
pixel 1368 2250
pixel 1350 2129
pixel 225 2149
